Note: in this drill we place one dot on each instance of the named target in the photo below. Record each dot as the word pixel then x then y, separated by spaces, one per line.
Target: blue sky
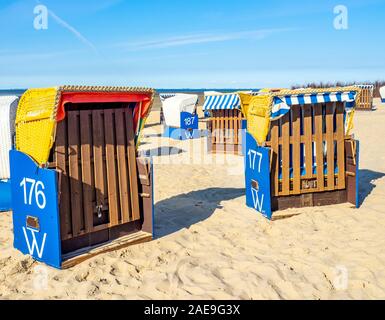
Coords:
pixel 190 44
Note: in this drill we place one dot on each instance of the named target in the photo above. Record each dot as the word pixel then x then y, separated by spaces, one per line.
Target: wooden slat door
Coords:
pixel 95 153
pixel 225 126
pixel 308 150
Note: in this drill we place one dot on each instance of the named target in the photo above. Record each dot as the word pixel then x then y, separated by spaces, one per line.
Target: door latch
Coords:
pixel 99 211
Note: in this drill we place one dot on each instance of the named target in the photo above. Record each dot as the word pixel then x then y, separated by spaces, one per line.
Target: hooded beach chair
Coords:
pixel 8 107
pixel 180 116
pixel 382 94
pixel 226 122
pixel 163 97
pixel 78 186
pixel 299 149
pixel 366 98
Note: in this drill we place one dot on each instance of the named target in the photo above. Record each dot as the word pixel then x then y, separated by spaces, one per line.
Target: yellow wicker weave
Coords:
pixel 257 110
pixel 36 123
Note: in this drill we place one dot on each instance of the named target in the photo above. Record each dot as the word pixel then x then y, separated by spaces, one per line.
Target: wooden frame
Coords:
pixel 309 137
pixel 92 192
pixel 105 191
pixel 312 161
pixel 224 131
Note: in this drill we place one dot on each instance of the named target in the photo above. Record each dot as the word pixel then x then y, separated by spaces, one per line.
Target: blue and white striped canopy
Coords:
pixel 282 105
pixel 222 102
pixel 164 96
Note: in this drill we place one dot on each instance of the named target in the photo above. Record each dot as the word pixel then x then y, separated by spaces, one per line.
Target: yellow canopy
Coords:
pixel 36 123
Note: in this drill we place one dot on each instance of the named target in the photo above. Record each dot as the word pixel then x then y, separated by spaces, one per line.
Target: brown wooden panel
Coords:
pixel 88 188
pixel 226 127
pixel 340 131
pixel 222 127
pixel 308 140
pixel 330 144
pixel 236 127
pixel 286 155
pixel 215 126
pixel 296 154
pixel 275 157
pixel 125 201
pixel 113 190
pixel 212 126
pixel 131 153
pixel 75 173
pixel 308 200
pixel 232 132
pixel 319 146
pixel 61 164
pixel 99 164
pixel 351 171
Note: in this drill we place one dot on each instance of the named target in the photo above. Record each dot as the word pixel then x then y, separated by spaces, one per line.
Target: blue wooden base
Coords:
pixel 257 177
pixel 5 196
pixel 182 134
pixel 36 222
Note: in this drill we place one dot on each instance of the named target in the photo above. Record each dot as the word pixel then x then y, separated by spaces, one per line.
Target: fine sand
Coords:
pixel 209 245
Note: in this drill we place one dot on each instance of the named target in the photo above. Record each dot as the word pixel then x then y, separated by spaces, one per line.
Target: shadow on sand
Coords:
pixel 366 183
pixel 152 135
pixel 185 210
pixel 162 151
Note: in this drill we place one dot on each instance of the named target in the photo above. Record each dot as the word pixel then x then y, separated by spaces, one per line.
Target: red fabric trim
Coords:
pixel 101 97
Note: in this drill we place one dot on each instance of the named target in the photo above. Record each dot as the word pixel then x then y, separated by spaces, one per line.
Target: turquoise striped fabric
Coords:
pixel 222 102
pixel 282 105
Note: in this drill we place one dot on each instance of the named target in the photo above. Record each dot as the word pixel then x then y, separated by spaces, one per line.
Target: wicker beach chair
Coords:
pixel 366 97
pixel 382 94
pixel 180 116
pixel 8 107
pixel 88 189
pixel 226 122
pixel 299 148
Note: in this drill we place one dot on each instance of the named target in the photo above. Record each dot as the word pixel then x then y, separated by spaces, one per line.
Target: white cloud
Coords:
pixel 199 39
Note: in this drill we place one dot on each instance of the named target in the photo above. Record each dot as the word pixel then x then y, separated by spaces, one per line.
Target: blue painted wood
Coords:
pixel 182 134
pixel 5 196
pixel 188 121
pixel 257 177
pixel 35 195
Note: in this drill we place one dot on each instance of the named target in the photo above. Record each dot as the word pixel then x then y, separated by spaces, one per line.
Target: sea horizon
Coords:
pixel 162 90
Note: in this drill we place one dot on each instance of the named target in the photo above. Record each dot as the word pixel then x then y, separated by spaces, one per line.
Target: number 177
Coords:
pixel 253 154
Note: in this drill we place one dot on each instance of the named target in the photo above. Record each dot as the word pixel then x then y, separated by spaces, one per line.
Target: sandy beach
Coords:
pixel 209 245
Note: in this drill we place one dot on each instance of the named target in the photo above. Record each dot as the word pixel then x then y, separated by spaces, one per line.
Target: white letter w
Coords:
pixel 257 205
pixel 34 246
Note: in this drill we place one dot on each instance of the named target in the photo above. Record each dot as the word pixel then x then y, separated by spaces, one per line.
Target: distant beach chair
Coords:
pixel 226 124
pixel 78 185
pixel 181 121
pixel 163 97
pixel 366 98
pixel 299 149
pixel 8 107
pixel 382 94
